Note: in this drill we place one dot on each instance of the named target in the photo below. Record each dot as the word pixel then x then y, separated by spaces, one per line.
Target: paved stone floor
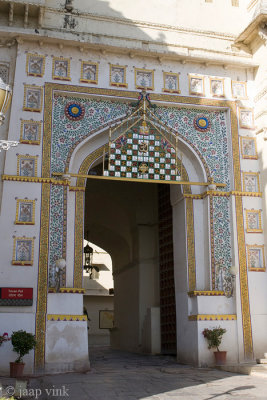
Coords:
pixel 117 375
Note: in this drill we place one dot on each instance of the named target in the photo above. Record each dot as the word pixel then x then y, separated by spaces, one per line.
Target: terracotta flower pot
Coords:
pixel 16 369
pixel 220 357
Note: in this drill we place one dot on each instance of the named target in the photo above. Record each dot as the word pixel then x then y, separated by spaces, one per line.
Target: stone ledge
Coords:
pixel 245 369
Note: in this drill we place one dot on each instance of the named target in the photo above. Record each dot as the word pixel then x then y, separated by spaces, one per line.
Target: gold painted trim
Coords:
pixel 84 80
pixel 165 89
pixel 239 97
pixel 76 189
pixel 256 246
pixel 126 95
pixel 243 278
pixel 34 179
pixel 222 194
pixel 241 124
pixel 57 77
pixel 201 77
pixel 25 141
pixel 17 221
pixel 194 196
pixel 40 324
pixel 212 317
pixel 254 157
pixel 252 194
pixel 136 70
pixel 67 317
pixel 21 156
pixel 254 174
pixel 27 65
pixel 25 108
pixel 71 290
pixel 26 262
pixel 258 212
pixel 114 178
pixel 243 274
pixel 206 293
pixel 217 79
pixel 112 83
pixel 190 235
pixel 78 246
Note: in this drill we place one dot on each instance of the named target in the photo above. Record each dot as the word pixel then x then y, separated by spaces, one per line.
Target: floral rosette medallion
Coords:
pixel 74 111
pixel 202 124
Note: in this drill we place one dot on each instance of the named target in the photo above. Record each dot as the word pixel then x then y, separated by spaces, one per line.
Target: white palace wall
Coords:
pixel 119 34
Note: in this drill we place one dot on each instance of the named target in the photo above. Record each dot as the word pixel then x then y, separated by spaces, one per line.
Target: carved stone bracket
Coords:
pixel 262 32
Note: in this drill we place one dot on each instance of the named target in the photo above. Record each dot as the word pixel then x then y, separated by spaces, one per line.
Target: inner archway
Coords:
pixel 134 223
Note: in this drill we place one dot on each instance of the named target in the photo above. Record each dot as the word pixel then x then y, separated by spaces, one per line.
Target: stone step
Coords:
pixel 261 360
pixel 246 369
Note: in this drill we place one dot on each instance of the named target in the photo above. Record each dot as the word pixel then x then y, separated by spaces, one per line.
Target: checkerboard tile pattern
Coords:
pixel 143 156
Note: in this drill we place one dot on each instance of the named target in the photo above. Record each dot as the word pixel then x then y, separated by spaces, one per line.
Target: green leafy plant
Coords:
pixel 214 336
pixel 22 342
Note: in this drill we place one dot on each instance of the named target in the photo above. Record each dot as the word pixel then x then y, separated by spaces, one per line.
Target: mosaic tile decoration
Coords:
pixel 26 165
pixel 33 98
pixel 35 65
pixel 23 251
pixel 196 85
pixel 89 72
pixel 56 230
pixel 251 182
pixel 143 155
pixel 217 87
pixel 144 78
pixel 222 241
pixel 209 138
pixel 171 82
pixel 249 147
pixel 117 76
pixel 61 68
pixel 25 212
pixel 246 118
pixel 239 90
pixel 253 221
pixel 30 132
pixel 256 258
pixel 66 133
pixel 209 141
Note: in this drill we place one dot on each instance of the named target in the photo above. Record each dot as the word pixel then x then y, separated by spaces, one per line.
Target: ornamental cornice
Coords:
pixel 134 47
pixel 66 317
pixel 255 29
pixel 34 179
pixel 261 94
pixel 212 317
pixel 222 194
pixel 195 293
pixel 144 24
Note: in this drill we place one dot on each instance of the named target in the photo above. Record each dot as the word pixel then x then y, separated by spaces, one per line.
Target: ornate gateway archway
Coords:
pixel 77 134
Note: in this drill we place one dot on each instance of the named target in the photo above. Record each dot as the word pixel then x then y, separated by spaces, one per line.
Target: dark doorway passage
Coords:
pixel 167 288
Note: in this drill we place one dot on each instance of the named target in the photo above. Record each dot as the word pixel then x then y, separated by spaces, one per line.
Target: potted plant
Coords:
pixel 22 343
pixel 214 338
